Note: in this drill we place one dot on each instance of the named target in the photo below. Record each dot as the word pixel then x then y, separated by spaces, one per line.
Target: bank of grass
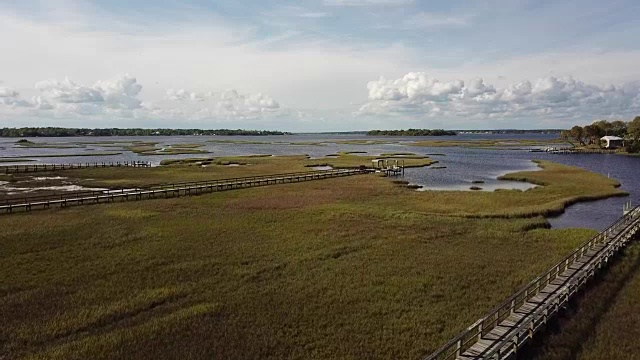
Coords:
pixel 13 160
pixel 352 160
pixel 151 148
pixel 34 145
pixel 355 267
pixel 104 153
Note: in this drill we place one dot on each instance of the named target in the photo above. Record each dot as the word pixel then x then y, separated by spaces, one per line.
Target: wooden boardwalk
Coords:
pixel 507 327
pixel 164 191
pixel 18 169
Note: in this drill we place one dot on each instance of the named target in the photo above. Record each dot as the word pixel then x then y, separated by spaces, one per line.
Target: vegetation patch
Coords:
pixel 350 160
pixel 13 160
pixel 351 267
pixel 106 153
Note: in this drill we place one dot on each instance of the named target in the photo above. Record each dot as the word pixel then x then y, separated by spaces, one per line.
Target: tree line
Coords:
pixel 67 132
pixel 411 132
pixel 591 134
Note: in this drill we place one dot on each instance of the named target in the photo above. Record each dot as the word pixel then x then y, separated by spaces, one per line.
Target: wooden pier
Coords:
pixel 500 333
pixel 18 169
pixel 564 151
pixel 164 191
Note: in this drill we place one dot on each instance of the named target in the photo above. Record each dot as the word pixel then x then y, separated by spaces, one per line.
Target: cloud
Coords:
pixel 120 93
pixel 225 105
pixel 313 15
pixel 118 97
pixel 368 2
pixel 425 20
pixel 67 91
pixel 6 92
pixel 10 97
pixel 561 98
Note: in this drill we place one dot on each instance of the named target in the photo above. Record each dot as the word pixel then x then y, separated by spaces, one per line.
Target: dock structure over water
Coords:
pixel 165 191
pixel 500 333
pixel 19 169
pixel 391 167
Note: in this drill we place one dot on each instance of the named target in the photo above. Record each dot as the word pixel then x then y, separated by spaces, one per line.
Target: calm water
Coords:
pixel 461 166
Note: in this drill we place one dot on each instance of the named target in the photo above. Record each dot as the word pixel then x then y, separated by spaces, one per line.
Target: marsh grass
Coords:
pixel 355 267
pixel 352 160
pixel 105 153
pixel 13 160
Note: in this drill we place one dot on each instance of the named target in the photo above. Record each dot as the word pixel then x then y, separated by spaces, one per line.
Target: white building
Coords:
pixel 612 142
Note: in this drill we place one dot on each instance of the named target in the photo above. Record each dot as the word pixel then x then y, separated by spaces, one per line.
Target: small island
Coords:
pixel 412 132
pixel 71 132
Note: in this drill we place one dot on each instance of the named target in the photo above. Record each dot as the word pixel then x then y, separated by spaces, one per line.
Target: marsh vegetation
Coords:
pixel 349 267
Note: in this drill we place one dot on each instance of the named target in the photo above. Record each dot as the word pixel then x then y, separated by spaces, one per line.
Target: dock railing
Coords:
pixel 458 345
pixel 28 168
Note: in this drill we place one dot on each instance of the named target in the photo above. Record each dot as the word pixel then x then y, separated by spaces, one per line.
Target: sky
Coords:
pixel 322 65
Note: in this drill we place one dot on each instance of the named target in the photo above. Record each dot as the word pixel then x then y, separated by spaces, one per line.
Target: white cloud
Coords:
pixel 560 98
pixel 225 105
pixel 67 91
pixel 118 98
pixel 6 92
pixel 435 20
pixel 368 2
pixel 120 93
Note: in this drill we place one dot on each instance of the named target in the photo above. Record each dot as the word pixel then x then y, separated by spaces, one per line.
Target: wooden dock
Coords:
pixel 500 333
pixel 9 206
pixel 19 169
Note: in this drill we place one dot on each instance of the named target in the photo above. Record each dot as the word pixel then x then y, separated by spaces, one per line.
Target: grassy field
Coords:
pixel 355 267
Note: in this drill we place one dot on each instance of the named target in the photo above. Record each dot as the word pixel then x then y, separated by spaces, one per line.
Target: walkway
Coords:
pixel 506 328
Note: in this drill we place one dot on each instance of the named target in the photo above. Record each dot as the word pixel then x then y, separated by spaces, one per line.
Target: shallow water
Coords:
pixel 463 165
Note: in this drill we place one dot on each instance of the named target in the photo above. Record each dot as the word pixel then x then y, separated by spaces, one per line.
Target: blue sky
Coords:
pixel 318 65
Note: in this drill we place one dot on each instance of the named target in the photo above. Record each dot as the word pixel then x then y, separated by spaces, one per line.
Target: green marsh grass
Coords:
pixel 354 267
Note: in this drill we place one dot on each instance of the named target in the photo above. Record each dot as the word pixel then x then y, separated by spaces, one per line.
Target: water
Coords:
pixel 600 214
pixel 463 165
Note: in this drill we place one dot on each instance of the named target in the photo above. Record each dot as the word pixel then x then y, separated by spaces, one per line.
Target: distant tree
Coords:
pixel 619 128
pixel 566 135
pixel 577 132
pixel 634 129
pixel 604 126
pixel 593 133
